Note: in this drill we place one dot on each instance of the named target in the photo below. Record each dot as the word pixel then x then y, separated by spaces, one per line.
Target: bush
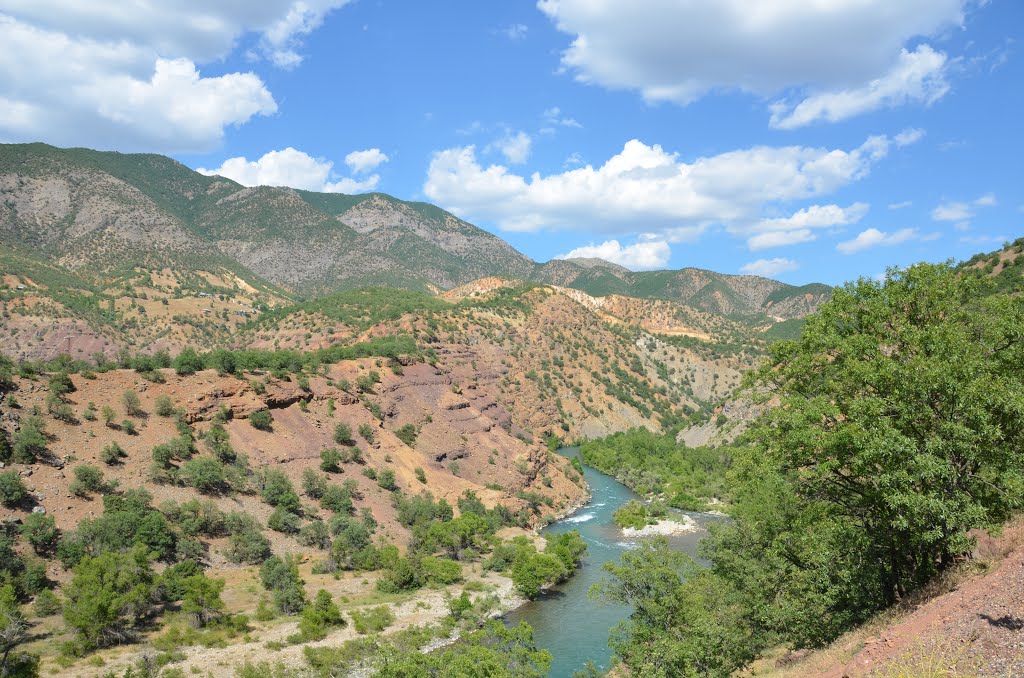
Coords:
pixel 374 620
pixel 88 479
pixel 343 435
pixel 386 480
pixel 128 426
pixel 536 571
pixel 438 572
pixel 336 498
pixel 278 490
pixel 112 454
pixel 407 434
pixel 132 404
pixel 12 491
pixel 261 420
pixel 205 474
pixel 29 442
pixel 246 543
pixel 201 599
pixel 187 362
pixel 366 431
pixel 47 604
pixel 313 483
pixel 283 520
pixel 321 615
pixel 40 530
pixel 60 384
pixel 281 576
pixel 109 597
pixel 421 475
pixel 315 534
pixel 330 459
pixel 164 406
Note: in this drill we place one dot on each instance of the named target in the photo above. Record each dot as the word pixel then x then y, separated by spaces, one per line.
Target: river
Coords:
pixel 565 620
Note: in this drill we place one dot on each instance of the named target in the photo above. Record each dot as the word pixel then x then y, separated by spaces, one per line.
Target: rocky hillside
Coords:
pixel 737 296
pixel 94 212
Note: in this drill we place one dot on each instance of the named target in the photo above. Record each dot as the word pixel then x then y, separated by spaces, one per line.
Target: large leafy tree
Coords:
pixel 109 596
pixel 902 410
pixel 897 428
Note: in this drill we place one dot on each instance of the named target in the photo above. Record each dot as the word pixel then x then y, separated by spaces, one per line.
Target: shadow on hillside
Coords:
pixel 1005 622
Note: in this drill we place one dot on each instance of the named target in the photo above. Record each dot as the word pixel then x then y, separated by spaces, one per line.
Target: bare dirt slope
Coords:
pixel 974 627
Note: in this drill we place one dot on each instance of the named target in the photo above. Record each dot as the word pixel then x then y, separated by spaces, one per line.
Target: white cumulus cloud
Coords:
pixel 962 212
pixel 128 75
pixel 849 55
pixel 515 147
pixel 952 211
pixel 769 267
pixel 645 188
pixel 366 161
pixel 797 227
pixel 292 168
pixel 918 76
pixel 646 255
pixel 872 237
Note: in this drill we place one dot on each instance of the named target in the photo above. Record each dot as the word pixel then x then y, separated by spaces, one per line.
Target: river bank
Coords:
pixel 565 620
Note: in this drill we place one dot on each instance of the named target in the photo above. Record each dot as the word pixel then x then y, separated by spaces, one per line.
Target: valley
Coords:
pixel 266 432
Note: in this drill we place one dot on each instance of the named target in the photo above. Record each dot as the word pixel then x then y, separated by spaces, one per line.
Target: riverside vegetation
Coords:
pixel 898 431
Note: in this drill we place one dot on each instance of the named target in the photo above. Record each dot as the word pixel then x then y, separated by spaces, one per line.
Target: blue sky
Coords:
pixel 807 144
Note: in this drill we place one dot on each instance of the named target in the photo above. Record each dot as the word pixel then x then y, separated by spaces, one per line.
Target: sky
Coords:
pixel 804 141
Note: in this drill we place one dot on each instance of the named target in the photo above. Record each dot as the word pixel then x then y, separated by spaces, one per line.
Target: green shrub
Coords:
pixel 420 475
pixel 329 460
pixel 164 406
pixel 319 617
pixel 132 404
pixel 278 490
pixel 343 434
pixel 246 543
pixel 407 434
pixel 109 597
pixel 12 490
pixel 40 531
pixel 386 480
pixel 373 620
pixel 88 479
pixel 366 431
pixel 261 420
pixel 47 604
pixel 29 442
pixel 315 534
pixel 112 454
pixel 313 483
pixel 187 362
pixel 283 520
pixel 205 474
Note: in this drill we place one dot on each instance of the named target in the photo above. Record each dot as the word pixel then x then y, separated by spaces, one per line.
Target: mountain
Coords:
pixel 98 213
pixel 729 295
pixel 91 211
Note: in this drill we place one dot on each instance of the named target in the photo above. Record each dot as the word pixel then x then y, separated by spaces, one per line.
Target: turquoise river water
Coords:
pixel 565 620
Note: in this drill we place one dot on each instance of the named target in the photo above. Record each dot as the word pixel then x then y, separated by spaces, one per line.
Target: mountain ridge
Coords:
pixel 90 210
